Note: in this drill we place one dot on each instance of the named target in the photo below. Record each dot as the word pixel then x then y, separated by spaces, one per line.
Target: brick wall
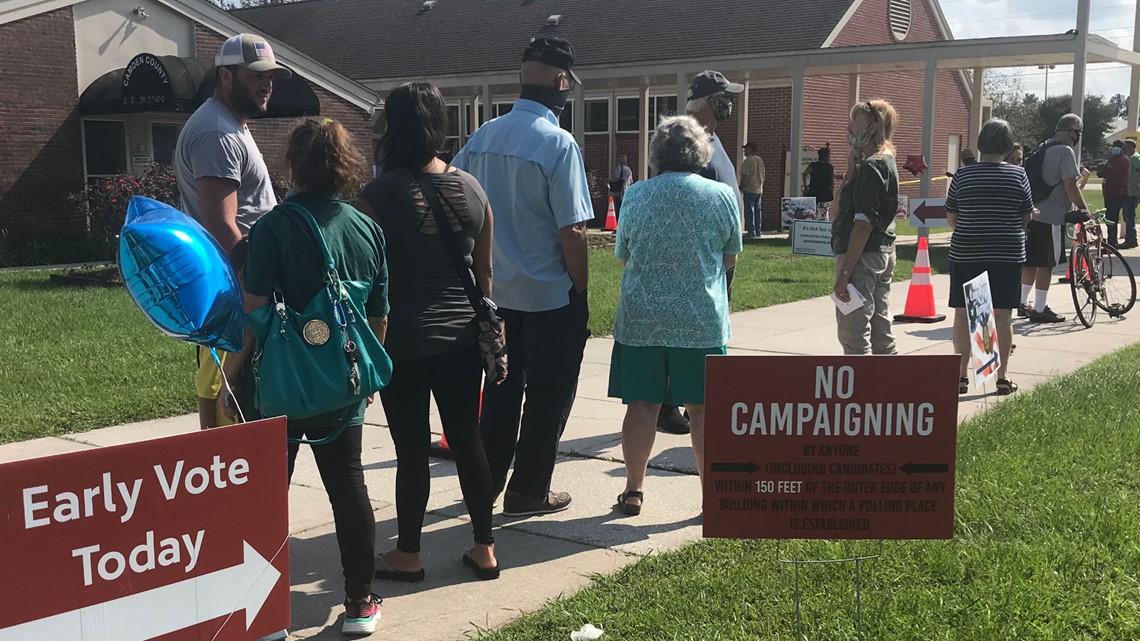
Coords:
pixel 826 111
pixel 272 134
pixel 39 126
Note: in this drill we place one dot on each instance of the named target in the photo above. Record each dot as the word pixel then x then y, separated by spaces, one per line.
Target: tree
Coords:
pixel 1098 118
pixel 1010 103
pixel 1119 102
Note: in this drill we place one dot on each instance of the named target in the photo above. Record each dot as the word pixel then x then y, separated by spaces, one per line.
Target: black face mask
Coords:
pixel 1076 135
pixel 551 98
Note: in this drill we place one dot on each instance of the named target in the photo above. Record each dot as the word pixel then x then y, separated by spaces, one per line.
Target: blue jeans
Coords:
pixel 752 213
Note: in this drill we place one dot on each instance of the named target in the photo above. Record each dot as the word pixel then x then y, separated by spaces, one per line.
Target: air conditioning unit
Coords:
pixel 553 20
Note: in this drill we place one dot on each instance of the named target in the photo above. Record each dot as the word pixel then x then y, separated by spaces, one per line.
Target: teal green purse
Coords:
pixel 321 359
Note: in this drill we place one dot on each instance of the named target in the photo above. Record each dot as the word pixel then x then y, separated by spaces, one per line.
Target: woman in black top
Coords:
pixel 432 331
pixel 988 205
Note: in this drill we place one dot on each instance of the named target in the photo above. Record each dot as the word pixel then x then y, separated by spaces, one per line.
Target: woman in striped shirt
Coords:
pixel 988 205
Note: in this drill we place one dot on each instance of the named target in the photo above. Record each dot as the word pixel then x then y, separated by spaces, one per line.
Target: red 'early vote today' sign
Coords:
pixel 807 447
pixel 179 538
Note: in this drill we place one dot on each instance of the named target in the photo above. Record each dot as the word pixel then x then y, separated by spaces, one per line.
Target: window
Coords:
pixel 661 107
pixel 567 117
pixel 105 143
pixel 163 137
pixel 503 108
pixel 453 121
pixel 627 114
pixel 597 116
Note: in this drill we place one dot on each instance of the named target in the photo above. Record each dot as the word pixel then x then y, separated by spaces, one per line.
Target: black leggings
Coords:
pixel 343 478
pixel 454 378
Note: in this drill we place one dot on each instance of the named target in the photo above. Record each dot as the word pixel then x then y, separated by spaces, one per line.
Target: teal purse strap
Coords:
pixel 336 291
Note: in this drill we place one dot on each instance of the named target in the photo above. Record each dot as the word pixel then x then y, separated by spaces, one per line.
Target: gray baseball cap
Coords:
pixel 710 83
pixel 249 51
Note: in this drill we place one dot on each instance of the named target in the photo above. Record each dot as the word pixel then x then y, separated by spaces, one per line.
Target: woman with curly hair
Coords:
pixel 286 258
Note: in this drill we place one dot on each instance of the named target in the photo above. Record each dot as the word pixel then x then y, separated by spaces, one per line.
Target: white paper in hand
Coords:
pixel 855 303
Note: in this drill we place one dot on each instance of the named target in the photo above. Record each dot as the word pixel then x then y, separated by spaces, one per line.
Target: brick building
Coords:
pixel 70 111
pixel 627 51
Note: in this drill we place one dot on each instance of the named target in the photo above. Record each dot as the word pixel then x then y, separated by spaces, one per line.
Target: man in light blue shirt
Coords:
pixel 535 180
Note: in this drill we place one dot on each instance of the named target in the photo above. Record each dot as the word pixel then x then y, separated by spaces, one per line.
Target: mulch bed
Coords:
pixel 90 277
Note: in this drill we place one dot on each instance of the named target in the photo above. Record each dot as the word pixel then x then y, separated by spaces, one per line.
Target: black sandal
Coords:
pixel 1005 387
pixel 631 510
pixel 963 385
pixel 386 572
pixel 481 573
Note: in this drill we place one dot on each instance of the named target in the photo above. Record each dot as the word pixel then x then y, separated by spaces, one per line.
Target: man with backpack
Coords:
pixel 1054 180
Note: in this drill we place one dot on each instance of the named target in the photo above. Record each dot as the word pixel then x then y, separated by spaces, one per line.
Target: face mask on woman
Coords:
pixel 858 141
pixel 1115 151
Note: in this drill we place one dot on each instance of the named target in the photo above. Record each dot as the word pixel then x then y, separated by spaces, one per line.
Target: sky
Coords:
pixel 1111 19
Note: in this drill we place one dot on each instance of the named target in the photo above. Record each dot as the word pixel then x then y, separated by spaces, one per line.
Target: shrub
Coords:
pixel 105 203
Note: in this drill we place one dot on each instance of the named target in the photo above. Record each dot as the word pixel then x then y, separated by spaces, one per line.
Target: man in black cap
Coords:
pixel 710 99
pixel 535 180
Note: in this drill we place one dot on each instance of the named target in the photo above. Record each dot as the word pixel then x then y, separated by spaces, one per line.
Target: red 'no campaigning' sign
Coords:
pixel 806 447
pixel 175 538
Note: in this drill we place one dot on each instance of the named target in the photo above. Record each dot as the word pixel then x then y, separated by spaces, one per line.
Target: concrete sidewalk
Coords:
pixel 544 558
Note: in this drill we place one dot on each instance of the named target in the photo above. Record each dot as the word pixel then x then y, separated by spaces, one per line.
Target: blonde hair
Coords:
pixel 884 118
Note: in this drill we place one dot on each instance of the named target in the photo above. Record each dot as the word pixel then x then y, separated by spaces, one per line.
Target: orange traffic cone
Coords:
pixel 611 217
pixel 920 296
pixel 440 449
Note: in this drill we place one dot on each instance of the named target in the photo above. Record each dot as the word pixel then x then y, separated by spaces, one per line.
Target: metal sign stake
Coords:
pixel 857 559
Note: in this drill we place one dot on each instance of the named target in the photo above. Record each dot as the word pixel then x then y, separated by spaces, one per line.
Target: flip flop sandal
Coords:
pixel 1005 387
pixel 630 510
pixel 386 572
pixel 963 385
pixel 481 573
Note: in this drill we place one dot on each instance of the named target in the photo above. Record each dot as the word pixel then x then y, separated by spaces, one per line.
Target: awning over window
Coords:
pixel 170 83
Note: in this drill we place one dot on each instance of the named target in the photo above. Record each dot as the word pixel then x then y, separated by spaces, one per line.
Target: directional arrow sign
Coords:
pixel 928 212
pixel 160 611
pixel 182 538
pixel 735 467
pixel 925 468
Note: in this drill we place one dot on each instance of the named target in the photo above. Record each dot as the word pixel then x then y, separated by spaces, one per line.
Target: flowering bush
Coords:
pixel 105 202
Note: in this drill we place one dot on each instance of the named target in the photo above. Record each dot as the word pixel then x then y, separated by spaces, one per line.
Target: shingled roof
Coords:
pixel 385 39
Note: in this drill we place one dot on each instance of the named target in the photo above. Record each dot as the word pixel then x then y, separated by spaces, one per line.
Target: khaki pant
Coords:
pixel 872 277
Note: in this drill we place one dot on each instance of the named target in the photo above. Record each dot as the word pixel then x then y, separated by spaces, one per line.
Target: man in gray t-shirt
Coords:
pixel 221 174
pixel 1043 246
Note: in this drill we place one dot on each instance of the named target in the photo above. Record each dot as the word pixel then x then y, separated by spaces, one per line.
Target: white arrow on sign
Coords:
pixel 160 611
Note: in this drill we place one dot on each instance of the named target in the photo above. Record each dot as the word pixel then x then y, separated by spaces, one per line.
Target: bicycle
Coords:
pixel 1101 278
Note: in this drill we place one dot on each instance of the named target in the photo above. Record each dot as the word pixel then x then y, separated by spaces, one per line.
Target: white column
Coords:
pixel 853 86
pixel 613 130
pixel 683 81
pixel 1080 60
pixel 797 142
pixel 464 126
pixel 930 81
pixel 742 114
pixel 579 116
pixel 488 105
pixel 1134 94
pixel 643 133
pixel 976 107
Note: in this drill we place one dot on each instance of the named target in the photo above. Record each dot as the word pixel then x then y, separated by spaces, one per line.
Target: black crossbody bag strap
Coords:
pixel 443 225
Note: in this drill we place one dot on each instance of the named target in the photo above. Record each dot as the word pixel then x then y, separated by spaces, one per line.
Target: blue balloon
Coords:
pixel 180 277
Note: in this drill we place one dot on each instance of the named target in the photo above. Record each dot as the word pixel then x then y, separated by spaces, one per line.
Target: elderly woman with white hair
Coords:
pixel 679 235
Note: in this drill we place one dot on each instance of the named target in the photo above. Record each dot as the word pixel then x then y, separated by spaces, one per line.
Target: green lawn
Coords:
pixel 1046 546
pixel 76 358
pixel 86 357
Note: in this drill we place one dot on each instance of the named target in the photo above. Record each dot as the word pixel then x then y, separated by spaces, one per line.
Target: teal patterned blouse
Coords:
pixel 674 233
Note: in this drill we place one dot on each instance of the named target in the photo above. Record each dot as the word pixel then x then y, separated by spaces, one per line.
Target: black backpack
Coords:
pixel 1034 169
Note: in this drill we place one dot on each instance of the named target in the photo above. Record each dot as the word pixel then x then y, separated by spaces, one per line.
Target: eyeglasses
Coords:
pixel 874 112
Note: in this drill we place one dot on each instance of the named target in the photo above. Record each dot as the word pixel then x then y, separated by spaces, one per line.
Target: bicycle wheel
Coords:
pixel 1083 285
pixel 1116 292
